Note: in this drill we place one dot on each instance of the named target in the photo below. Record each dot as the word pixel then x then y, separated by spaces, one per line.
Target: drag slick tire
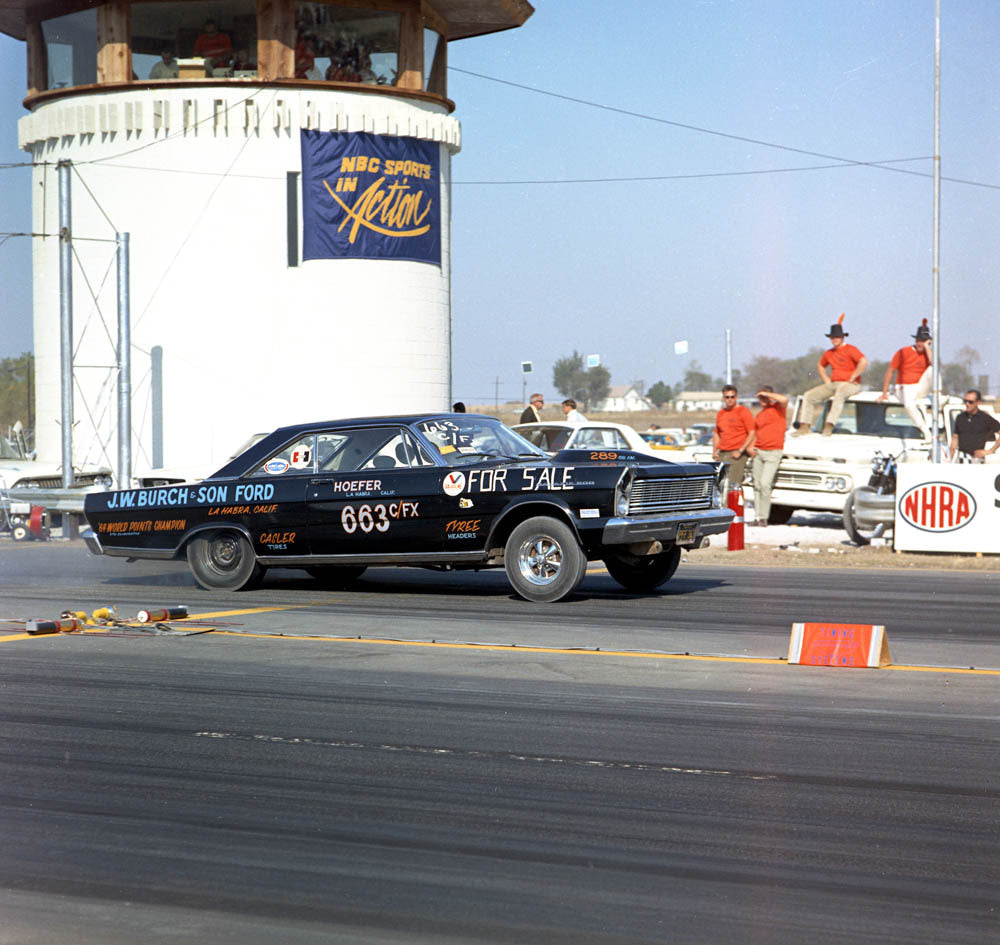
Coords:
pixel 543 559
pixel 224 561
pixel 336 576
pixel 642 573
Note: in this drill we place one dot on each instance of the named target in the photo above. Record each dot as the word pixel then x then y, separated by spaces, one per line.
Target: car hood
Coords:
pixel 652 467
pixel 814 446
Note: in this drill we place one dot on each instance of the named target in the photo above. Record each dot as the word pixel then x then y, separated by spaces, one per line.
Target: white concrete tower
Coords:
pixel 185 125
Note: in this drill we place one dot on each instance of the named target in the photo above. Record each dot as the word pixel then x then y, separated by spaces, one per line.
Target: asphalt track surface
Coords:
pixel 475 769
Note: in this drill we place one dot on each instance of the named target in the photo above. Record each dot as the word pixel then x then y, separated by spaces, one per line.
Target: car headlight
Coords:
pixel 719 490
pixel 622 493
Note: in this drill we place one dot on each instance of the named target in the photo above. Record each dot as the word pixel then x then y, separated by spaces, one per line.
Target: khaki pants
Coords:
pixel 838 391
pixel 764 470
pixel 909 394
pixel 735 467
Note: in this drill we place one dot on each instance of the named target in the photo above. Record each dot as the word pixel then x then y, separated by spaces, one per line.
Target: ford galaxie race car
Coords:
pixel 447 491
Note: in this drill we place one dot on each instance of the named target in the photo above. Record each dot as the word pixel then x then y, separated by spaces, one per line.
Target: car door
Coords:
pixel 373 494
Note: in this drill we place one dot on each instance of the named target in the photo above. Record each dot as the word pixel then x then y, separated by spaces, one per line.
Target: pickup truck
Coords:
pixel 820 473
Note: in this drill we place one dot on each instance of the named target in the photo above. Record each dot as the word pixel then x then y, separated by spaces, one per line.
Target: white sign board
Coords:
pixel 680 347
pixel 593 360
pixel 947 507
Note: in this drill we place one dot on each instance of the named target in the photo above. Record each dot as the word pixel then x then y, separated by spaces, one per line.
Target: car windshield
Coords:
pixel 871 419
pixel 460 440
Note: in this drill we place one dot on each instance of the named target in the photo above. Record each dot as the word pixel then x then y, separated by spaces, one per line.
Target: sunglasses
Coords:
pixel 972 401
pixel 729 397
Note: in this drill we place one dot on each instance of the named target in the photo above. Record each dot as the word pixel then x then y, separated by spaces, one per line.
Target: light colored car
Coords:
pixel 591 435
pixel 19 470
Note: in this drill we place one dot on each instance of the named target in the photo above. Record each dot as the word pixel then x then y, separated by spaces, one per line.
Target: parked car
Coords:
pixel 447 491
pixel 19 470
pixel 591 435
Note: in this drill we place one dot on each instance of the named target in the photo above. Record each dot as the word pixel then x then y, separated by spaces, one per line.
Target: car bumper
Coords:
pixel 92 542
pixel 632 528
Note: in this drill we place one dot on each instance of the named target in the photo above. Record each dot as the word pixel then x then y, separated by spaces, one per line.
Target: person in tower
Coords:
pixel 734 432
pixel 167 67
pixel 912 367
pixel 214 46
pixel 846 364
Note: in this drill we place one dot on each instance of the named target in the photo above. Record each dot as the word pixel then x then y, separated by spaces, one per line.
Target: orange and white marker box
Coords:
pixel 858 645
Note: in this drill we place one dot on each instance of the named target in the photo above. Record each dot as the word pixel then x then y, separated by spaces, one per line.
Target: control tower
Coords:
pixel 283 171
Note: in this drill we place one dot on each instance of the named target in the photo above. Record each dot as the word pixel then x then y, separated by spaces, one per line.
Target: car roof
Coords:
pixel 263 448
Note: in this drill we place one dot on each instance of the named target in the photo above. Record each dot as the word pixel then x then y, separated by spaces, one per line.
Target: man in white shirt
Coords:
pixel 166 68
pixel 572 414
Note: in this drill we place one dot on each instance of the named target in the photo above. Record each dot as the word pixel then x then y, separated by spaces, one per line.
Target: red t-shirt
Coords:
pixel 910 364
pixel 733 427
pixel 215 45
pixel 770 424
pixel 842 361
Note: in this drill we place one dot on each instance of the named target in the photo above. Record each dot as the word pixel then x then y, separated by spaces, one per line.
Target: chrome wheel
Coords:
pixel 540 560
pixel 544 560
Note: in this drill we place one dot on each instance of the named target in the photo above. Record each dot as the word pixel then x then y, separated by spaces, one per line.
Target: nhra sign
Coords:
pixel 368 196
pixel 947 508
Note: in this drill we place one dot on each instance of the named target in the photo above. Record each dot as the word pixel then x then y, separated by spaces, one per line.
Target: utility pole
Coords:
pixel 66 320
pixel 124 365
pixel 936 315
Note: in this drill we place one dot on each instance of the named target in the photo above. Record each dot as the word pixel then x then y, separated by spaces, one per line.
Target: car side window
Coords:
pixel 299 456
pixel 398 451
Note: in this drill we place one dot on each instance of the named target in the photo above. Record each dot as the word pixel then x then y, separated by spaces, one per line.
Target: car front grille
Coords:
pixel 801 479
pixel 670 495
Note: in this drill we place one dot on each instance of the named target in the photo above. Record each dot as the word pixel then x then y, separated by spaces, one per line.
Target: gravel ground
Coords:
pixel 816 539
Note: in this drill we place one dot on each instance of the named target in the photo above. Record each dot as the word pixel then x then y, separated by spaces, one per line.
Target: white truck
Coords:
pixel 821 473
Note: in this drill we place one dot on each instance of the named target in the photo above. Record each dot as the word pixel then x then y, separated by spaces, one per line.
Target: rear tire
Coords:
pixel 642 573
pixel 543 560
pixel 19 532
pixel 224 561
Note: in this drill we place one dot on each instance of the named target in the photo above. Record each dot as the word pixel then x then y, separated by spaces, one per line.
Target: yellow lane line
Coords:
pixel 24 636
pixel 249 610
pixel 496 647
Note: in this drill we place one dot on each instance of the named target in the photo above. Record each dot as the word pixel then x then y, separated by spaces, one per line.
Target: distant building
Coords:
pixel 698 400
pixel 623 398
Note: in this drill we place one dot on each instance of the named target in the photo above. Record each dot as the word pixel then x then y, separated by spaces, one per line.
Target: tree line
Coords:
pixel 17 390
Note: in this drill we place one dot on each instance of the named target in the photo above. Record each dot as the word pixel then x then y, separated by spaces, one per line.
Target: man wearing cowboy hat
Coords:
pixel 846 364
pixel 912 367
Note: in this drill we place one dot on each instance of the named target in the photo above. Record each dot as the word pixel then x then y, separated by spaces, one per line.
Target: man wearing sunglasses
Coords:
pixel 973 430
pixel 734 431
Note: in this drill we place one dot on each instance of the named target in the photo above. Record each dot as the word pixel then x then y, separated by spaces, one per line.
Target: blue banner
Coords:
pixel 370 196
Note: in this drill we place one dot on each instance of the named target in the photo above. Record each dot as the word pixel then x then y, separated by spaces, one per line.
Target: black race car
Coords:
pixel 447 491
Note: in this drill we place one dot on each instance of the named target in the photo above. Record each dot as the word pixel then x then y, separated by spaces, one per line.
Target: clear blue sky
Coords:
pixel 626 268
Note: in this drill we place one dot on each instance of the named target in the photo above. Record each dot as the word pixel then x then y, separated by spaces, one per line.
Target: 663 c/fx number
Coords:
pixel 376 517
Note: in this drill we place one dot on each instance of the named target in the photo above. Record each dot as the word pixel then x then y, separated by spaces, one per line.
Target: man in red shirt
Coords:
pixel 765 449
pixel 846 364
pixel 733 434
pixel 912 367
pixel 214 46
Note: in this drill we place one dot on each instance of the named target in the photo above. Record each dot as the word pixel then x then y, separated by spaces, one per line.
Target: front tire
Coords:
pixel 224 561
pixel 543 560
pixel 642 573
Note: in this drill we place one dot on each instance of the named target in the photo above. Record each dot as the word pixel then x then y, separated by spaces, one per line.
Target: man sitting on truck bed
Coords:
pixel 847 364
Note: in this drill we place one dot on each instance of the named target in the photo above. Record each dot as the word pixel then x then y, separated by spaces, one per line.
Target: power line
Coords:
pixel 878 165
